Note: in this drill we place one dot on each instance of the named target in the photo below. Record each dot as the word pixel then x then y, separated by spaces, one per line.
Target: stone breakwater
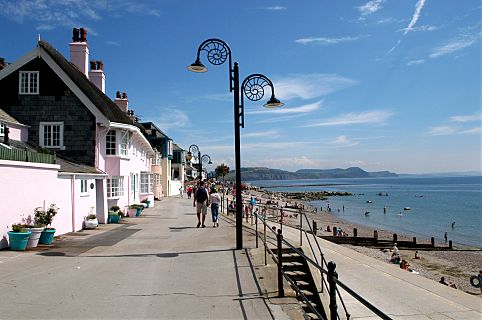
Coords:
pixel 307 196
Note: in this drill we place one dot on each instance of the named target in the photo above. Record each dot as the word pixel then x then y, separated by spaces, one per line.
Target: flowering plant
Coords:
pixel 45 217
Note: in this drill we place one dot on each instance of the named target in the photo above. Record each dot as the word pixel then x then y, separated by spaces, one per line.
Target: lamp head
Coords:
pixel 189 156
pixel 273 103
pixel 197 66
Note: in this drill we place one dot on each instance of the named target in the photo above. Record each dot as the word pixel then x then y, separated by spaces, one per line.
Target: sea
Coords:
pixel 436 204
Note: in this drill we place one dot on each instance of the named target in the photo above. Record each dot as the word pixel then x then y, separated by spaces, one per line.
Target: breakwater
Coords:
pixel 308 195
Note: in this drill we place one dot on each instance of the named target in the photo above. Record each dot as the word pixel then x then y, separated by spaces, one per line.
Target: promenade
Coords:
pixel 157 266
pixel 160 266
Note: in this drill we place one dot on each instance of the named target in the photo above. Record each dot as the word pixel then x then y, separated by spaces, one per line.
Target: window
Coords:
pixel 83 187
pixel 143 155
pixel 110 143
pixel 28 82
pixel 51 134
pixel 158 179
pixel 147 183
pixel 158 159
pixel 115 187
pixel 2 129
pixel 124 144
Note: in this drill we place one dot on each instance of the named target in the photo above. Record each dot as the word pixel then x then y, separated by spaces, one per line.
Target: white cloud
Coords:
pixel 370 7
pixel 461 42
pixel 476 130
pixel 261 134
pixel 171 118
pixel 423 28
pixel 323 40
pixel 343 141
pixel 292 163
pixel 371 117
pixel 280 119
pixel 309 86
pixel 415 62
pixel 467 118
pixel 307 108
pixel 416 16
pixel 275 8
pixel 442 130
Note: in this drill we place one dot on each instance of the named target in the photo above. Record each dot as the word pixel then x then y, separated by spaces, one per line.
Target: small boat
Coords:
pixel 369 201
pixel 367 213
pixel 407 208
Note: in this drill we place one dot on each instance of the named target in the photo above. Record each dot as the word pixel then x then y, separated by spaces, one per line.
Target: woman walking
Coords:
pixel 215 199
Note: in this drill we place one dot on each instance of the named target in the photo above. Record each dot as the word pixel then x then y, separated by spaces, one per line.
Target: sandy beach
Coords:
pixel 457 266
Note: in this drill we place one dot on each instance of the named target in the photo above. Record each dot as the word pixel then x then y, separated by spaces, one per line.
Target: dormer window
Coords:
pixel 28 82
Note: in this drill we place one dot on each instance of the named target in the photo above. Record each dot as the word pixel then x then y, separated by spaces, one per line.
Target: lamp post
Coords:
pixel 253 88
pixel 201 159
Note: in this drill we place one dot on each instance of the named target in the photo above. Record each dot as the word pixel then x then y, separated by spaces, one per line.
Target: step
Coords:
pixel 295 275
pixel 290 265
pixel 288 257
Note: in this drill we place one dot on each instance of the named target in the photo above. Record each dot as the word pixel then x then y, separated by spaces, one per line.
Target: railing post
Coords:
pixel 281 291
pixel 395 237
pixel 301 227
pixel 332 275
pixel 315 227
pixel 265 249
pixel 256 219
pixel 432 241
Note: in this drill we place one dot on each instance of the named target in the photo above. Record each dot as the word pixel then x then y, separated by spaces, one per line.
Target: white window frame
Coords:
pixel 147 183
pixel 158 179
pixel 2 129
pixel 84 188
pixel 124 143
pixel 42 141
pixel 115 187
pixel 108 143
pixel 158 159
pixel 30 87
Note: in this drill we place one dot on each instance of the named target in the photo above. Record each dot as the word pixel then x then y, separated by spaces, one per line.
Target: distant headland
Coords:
pixel 261 173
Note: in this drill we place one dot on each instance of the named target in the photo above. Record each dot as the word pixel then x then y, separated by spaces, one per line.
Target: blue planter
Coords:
pixel 47 236
pixel 148 203
pixel 138 211
pixel 114 218
pixel 18 240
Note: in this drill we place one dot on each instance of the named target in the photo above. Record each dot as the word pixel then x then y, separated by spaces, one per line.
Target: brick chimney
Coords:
pixel 96 74
pixel 79 50
pixel 121 101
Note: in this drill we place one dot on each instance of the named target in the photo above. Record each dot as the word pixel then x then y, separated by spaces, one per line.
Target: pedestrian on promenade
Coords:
pixel 181 191
pixel 215 200
pixel 201 201
pixel 189 192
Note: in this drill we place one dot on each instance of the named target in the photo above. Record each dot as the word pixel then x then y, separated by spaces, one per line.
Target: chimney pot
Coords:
pixel 124 95
pixel 75 35
pixel 93 65
pixel 118 95
pixel 83 35
pixel 100 65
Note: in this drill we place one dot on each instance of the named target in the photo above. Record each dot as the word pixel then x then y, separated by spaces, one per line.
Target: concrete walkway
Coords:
pixel 157 266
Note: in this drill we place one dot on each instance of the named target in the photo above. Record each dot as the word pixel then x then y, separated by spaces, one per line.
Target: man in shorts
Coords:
pixel 201 202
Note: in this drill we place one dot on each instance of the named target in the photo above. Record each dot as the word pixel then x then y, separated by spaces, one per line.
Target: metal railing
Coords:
pixel 270 213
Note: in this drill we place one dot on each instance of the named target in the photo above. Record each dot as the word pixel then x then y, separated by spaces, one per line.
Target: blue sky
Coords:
pixel 381 84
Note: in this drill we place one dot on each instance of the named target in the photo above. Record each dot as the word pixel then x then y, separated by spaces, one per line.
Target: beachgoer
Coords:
pixel 395 248
pixel 181 191
pixel 201 201
pixel 416 255
pixel 445 237
pixel 215 200
pixel 453 224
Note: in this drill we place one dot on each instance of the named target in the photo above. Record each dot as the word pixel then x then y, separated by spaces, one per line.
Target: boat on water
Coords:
pixel 367 213
pixel 369 201
pixel 407 208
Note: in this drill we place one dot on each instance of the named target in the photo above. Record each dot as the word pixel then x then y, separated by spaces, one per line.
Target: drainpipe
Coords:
pixel 72 183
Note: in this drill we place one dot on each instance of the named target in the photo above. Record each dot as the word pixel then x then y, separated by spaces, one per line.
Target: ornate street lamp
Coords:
pixel 253 88
pixel 204 158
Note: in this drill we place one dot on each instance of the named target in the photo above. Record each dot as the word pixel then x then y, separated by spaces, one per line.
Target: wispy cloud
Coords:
pixel 343 141
pixel 309 86
pixel 423 28
pixel 170 117
pixel 325 41
pixel 463 41
pixel 370 117
pixel 370 7
pixel 219 96
pixel 113 43
pixel 467 118
pixel 275 8
pixel 415 62
pixel 261 134
pixel 452 130
pixel 280 118
pixel 475 130
pixel 307 108
pixel 416 15
pixel 286 163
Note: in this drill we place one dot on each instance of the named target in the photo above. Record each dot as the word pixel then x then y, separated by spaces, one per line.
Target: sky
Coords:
pixel 380 84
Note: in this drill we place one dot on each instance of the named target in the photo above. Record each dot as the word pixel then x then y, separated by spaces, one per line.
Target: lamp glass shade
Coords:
pixel 197 67
pixel 273 103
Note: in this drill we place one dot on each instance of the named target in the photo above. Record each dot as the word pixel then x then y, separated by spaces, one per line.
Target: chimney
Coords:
pixel 96 74
pixel 79 50
pixel 121 101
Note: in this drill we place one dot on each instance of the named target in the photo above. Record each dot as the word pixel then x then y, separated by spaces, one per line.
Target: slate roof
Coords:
pixel 105 105
pixel 5 117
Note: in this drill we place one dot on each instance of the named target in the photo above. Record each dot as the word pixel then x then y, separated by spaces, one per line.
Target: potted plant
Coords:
pixel 90 221
pixel 18 237
pixel 36 231
pixel 147 202
pixel 45 217
pixel 114 214
pixel 137 207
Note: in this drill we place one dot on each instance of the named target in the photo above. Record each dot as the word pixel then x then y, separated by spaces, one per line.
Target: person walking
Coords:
pixel 201 201
pixel 215 200
pixel 181 191
pixel 189 192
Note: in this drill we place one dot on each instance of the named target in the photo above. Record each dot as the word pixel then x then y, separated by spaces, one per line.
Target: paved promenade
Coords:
pixel 157 266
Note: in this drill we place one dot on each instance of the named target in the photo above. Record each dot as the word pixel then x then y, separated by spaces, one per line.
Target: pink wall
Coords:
pixel 16 132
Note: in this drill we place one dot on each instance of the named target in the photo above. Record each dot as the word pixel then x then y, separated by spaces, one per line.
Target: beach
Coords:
pixel 457 266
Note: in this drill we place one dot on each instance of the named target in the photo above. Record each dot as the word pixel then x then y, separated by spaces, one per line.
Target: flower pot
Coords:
pixel 138 212
pixel 47 236
pixel 18 240
pixel 34 237
pixel 147 202
pixel 114 218
pixel 91 223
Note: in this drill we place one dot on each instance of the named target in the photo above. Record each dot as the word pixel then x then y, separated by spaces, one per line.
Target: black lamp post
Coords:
pixel 253 88
pixel 201 159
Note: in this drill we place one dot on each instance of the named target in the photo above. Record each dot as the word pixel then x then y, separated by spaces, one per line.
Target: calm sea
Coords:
pixel 435 202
